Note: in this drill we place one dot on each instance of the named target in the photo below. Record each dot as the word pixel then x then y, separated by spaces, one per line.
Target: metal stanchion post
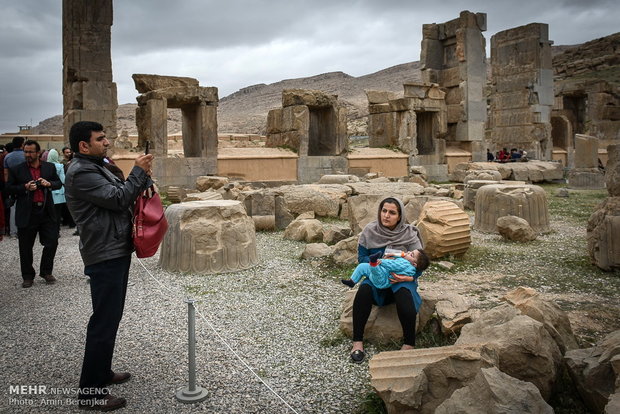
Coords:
pixel 192 393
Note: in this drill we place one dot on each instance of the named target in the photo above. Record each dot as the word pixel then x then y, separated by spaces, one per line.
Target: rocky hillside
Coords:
pixel 245 111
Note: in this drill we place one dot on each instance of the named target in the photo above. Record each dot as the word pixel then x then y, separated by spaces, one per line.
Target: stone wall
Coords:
pixel 522 91
pixel 88 91
pixel 453 55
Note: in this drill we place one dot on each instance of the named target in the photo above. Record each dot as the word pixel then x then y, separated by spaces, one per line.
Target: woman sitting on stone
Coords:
pixel 390 229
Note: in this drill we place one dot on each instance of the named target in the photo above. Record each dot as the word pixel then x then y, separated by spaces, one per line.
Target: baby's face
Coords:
pixel 412 257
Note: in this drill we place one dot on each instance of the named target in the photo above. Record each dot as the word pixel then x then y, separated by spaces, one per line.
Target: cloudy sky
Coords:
pixel 236 43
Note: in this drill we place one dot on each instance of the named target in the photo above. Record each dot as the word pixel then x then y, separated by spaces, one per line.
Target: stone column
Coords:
pixel 88 91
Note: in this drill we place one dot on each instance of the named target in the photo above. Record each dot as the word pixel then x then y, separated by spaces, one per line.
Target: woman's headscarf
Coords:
pixel 376 235
pixel 52 156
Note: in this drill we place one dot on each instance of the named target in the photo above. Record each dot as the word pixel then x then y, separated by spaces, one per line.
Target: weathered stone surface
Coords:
pixel 444 229
pixel 586 179
pixel 497 200
pixel 453 312
pixel 208 237
pixel 515 229
pixel 259 202
pixel 419 380
pixel 333 233
pixel 592 372
pixel 379 97
pixel 400 190
pixel 264 223
pixel 88 91
pixel 586 151
pixel 313 250
pixel 345 251
pixel 282 213
pixel 524 347
pixel 175 194
pixel 603 234
pixel 492 391
pixel 323 199
pixel 205 183
pixel 487 175
pixel 308 97
pixel 382 326
pixel 471 189
pixel 555 320
pixel 147 83
pixel 534 170
pixel 308 230
pixel 203 196
pixel 612 170
pixel 338 179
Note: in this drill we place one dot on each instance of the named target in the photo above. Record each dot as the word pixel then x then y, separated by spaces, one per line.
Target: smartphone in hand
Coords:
pixel 146 147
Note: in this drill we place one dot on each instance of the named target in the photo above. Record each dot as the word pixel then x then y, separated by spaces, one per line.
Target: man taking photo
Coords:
pixel 101 205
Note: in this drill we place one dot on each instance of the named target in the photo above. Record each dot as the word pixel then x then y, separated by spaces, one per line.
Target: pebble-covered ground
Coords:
pixel 278 317
pixel 276 322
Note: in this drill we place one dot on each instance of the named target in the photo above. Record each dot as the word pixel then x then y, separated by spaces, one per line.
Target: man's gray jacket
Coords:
pixel 102 207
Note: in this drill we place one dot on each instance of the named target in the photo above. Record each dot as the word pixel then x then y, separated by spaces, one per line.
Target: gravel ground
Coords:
pixel 275 316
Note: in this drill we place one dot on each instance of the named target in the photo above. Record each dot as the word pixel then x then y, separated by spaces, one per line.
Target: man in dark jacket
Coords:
pixel 32 183
pixel 101 205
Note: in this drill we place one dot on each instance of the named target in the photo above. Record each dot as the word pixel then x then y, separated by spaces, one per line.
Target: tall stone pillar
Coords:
pixel 88 91
pixel 522 95
pixel 454 56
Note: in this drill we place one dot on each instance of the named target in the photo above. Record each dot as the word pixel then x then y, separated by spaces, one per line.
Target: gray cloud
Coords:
pixel 233 44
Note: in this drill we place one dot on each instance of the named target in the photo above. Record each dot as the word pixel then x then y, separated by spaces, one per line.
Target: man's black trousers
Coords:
pixel 108 288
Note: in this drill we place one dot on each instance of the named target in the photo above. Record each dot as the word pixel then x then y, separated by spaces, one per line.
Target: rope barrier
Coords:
pixel 222 340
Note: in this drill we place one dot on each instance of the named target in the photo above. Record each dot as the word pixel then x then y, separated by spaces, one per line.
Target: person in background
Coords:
pixel 490 156
pixel 32 182
pixel 58 195
pixel 4 196
pixel 67 155
pixel 15 157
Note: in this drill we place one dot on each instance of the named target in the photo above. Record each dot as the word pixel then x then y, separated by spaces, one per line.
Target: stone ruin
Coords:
pixel 506 359
pixel 445 229
pixel 212 236
pixel 453 55
pixel 583 105
pixel 314 125
pixel 198 106
pixel 586 173
pixel 415 124
pixel 603 231
pixel 522 90
pixel 498 200
pixel 87 88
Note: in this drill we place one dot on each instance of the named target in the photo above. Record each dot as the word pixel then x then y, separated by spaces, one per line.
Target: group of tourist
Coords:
pixel 389 251
pixel 504 155
pixel 11 155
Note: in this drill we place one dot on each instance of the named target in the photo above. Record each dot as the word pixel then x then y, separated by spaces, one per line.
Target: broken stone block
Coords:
pixel 419 380
pixel 338 179
pixel 147 83
pixel 453 312
pixel 612 170
pixel 203 196
pixel 323 199
pixel 176 194
pixel 515 229
pixel 314 250
pixel 592 372
pixel 586 179
pixel 497 200
pixel 332 233
pixel 524 348
pixel 302 229
pixel 205 183
pixel 492 391
pixel 208 237
pixel 444 228
pixel 555 320
pixel 603 234
pixel 345 251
